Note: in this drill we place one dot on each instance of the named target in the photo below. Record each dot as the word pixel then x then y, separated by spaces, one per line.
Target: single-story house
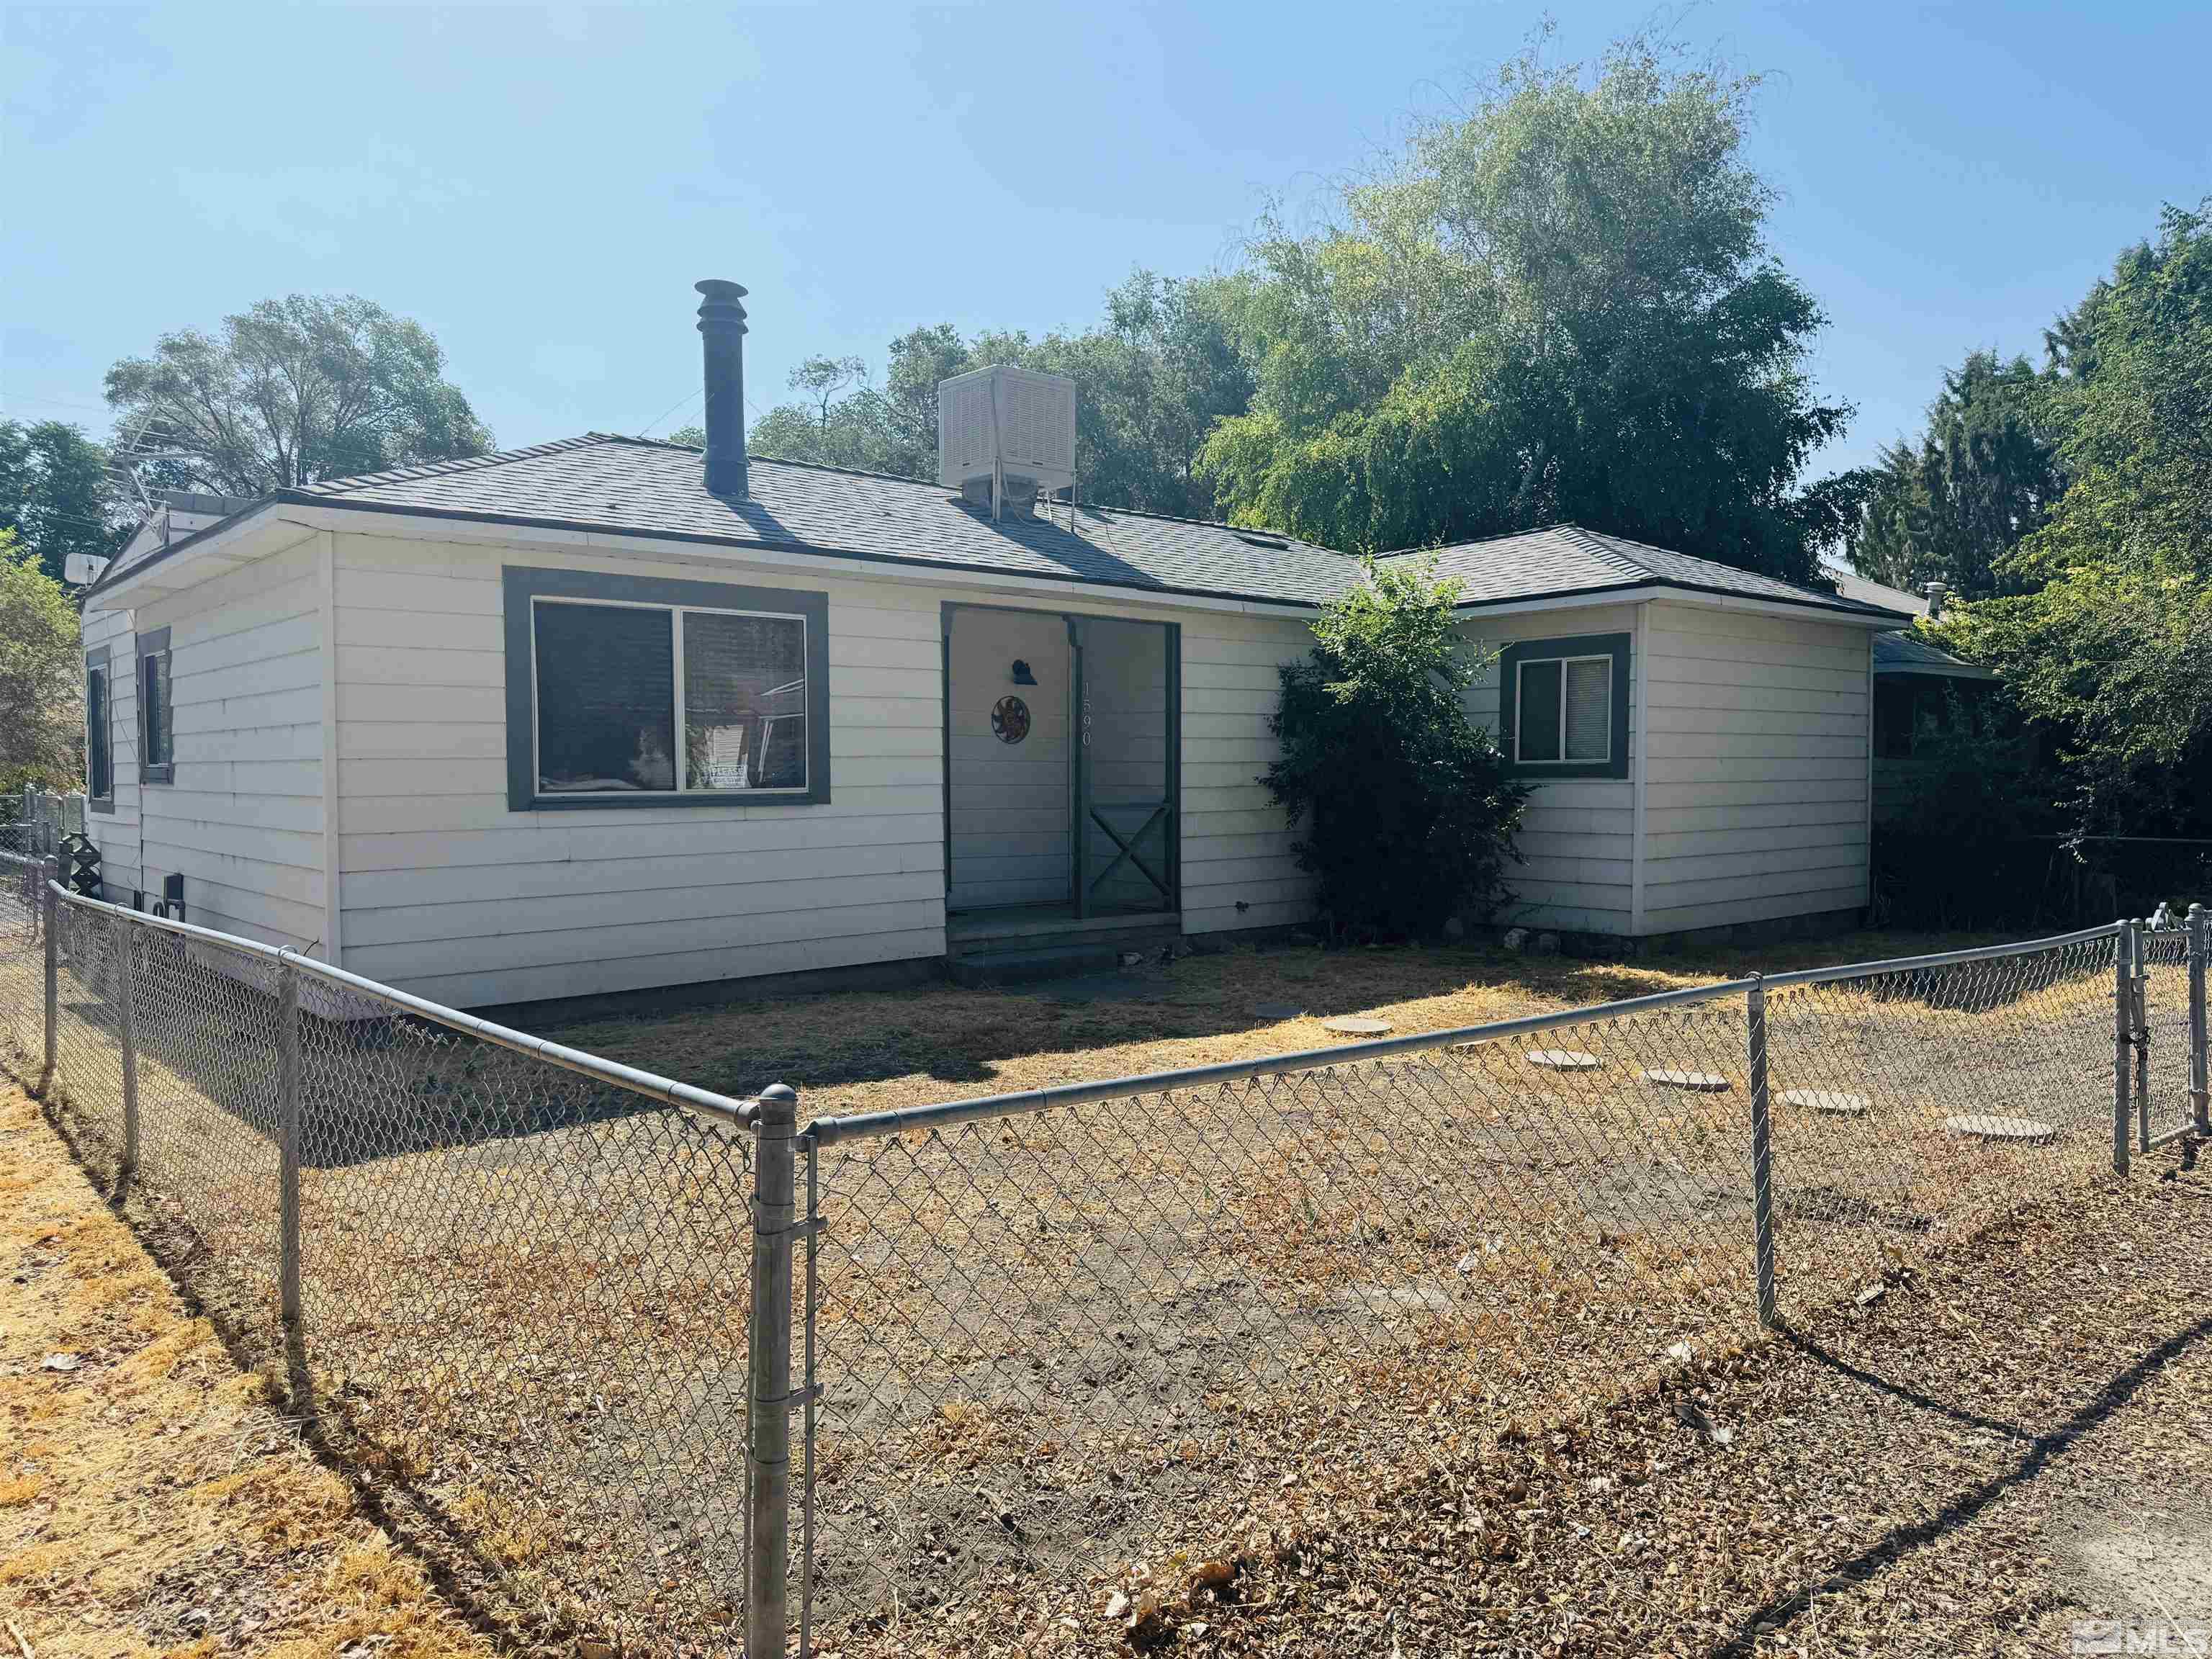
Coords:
pixel 607 714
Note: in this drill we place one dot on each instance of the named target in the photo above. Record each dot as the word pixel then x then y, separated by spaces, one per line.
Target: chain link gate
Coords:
pixel 2169 954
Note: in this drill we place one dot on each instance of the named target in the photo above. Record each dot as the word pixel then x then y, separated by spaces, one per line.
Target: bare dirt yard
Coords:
pixel 859 1051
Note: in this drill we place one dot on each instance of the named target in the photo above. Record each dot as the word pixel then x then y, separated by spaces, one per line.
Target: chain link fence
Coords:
pixel 510 1277
pixel 679 1371
pixel 1045 1332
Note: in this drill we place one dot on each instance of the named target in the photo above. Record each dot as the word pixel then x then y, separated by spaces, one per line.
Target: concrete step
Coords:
pixel 1035 962
pixel 968 936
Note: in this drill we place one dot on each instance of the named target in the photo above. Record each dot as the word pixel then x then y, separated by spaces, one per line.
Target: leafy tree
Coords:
pixel 2111 644
pixel 1983 476
pixel 41 686
pixel 1562 307
pixel 1151 382
pixel 291 391
pixel 1405 811
pixel 55 495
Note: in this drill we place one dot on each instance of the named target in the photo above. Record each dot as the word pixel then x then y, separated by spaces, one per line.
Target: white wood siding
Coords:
pixel 1757 798
pixel 1578 836
pixel 1236 843
pixel 243 821
pixel 447 893
pixel 116 833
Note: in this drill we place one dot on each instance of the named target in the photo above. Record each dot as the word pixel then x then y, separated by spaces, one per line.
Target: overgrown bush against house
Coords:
pixel 1405 811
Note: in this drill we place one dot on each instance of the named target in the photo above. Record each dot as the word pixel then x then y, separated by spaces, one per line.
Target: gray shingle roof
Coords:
pixel 654 489
pixel 1564 559
pixel 634 486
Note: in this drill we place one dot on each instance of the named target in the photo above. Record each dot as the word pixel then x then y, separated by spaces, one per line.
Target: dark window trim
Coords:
pixel 1509 705
pixel 521 584
pixel 154 643
pixel 97 657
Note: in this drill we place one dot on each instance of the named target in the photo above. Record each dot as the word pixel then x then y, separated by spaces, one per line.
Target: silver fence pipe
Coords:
pixel 2200 1061
pixel 2122 1040
pixel 49 913
pixel 1940 959
pixel 126 1030
pixel 288 1149
pixel 2140 1010
pixel 768 1367
pixel 1762 1149
pixel 813 1231
pixel 665 1090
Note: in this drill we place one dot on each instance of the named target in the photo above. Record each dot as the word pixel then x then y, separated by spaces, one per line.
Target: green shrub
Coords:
pixel 1405 813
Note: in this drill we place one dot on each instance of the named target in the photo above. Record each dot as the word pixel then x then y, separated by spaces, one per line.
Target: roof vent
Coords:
pixel 999 426
pixel 1259 538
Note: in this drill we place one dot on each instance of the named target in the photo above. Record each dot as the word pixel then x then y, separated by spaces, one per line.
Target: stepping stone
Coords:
pixel 1563 1060
pixel 1355 1026
pixel 1834 1102
pixel 1703 1083
pixel 1278 1011
pixel 1988 1126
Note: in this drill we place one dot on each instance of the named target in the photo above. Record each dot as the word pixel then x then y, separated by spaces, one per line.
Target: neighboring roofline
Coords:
pixel 1965 671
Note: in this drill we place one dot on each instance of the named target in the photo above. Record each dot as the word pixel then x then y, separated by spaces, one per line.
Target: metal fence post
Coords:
pixel 2200 1061
pixel 1762 1148
pixel 126 1024
pixel 2139 1011
pixel 288 1146
pixel 767 1473
pixel 2122 1040
pixel 49 915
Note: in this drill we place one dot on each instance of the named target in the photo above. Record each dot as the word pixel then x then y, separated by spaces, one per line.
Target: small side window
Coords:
pixel 157 759
pixel 1563 708
pixel 99 732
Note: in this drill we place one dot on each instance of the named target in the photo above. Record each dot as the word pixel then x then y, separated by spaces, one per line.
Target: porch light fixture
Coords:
pixel 1022 675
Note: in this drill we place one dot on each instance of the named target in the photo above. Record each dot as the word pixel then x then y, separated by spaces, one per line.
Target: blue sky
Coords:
pixel 540 187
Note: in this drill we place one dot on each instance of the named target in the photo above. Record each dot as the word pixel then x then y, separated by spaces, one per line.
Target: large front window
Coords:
pixel 689 700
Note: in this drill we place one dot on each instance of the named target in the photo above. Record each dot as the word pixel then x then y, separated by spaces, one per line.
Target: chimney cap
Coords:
pixel 715 288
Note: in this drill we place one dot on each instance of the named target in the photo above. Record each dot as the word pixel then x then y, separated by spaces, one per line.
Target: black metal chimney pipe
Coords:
pixel 722 326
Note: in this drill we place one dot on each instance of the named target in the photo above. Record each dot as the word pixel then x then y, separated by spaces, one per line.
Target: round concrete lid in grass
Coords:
pixel 1277 1011
pixel 1703 1083
pixel 1991 1126
pixel 1355 1026
pixel 1835 1102
pixel 1563 1060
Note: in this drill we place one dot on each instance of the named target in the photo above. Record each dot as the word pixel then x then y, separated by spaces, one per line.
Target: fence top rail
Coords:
pixel 1940 959
pixel 829 1130
pixel 824 1132
pixel 666 1090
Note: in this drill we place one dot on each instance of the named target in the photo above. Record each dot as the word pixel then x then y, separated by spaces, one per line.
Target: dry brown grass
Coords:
pixel 151 1501
pixel 860 1051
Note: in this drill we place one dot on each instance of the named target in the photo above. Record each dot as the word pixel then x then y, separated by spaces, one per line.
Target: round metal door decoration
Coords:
pixel 1010 720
